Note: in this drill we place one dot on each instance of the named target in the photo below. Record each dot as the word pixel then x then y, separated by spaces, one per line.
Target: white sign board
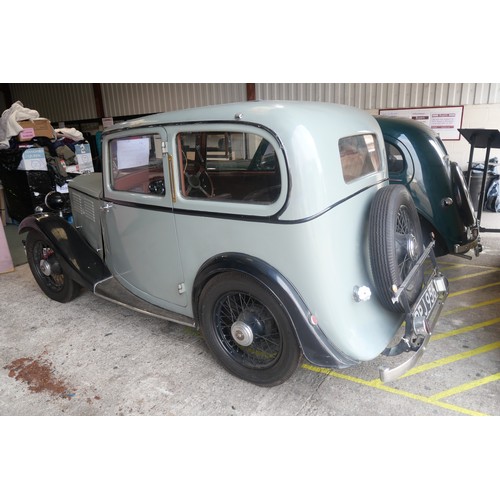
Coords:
pixel 444 120
pixel 133 152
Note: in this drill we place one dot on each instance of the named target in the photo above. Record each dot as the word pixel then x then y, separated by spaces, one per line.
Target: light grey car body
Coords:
pixel 307 242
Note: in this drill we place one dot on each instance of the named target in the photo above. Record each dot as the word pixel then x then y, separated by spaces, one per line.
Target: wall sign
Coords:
pixel 445 120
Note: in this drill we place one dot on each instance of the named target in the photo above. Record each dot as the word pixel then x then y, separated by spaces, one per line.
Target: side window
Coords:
pixel 232 166
pixel 359 156
pixel 137 164
pixel 395 159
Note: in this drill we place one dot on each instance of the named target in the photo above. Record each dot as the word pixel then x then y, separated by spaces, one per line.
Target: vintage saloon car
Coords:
pixel 417 159
pixel 265 224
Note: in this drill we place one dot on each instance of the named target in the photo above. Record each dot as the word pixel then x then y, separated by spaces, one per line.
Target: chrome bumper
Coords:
pixel 472 244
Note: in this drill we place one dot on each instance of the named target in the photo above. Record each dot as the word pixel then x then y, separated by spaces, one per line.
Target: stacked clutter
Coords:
pixel 492 185
pixel 36 160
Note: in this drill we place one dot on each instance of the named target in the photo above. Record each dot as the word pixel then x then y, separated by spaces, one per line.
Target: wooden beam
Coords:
pixel 250 91
pixel 5 89
pixel 99 104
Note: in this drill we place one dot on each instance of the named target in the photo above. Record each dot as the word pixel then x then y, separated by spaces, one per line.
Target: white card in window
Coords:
pixel 132 152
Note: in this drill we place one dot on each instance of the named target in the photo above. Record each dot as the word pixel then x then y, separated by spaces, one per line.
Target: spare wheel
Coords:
pixel 395 242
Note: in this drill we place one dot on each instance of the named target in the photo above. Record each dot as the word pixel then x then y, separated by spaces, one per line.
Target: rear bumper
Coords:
pixel 420 319
pixel 473 243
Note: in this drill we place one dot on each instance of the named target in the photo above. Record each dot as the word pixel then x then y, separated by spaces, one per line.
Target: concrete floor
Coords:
pixel 91 357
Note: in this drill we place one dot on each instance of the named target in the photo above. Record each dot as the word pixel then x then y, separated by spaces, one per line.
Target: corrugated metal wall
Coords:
pixel 57 101
pixel 384 95
pixel 122 99
pixel 75 101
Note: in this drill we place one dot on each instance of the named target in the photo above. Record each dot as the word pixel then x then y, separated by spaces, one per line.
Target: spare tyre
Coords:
pixel 395 243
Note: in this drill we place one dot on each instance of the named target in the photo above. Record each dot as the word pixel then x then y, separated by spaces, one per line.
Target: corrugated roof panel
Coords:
pixel 384 95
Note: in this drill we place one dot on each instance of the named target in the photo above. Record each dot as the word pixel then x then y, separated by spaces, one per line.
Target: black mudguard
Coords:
pixel 79 259
pixel 316 347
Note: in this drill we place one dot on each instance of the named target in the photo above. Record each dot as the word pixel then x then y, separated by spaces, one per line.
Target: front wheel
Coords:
pixel 47 269
pixel 248 330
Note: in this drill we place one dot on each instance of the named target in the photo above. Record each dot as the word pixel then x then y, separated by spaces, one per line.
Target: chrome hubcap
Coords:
pixel 411 247
pixel 45 267
pixel 242 333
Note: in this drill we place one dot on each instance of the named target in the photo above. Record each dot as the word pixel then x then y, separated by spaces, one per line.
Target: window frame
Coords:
pixel 261 144
pixel 221 205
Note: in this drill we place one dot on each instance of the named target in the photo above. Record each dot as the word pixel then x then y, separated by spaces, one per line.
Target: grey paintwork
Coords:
pixel 314 234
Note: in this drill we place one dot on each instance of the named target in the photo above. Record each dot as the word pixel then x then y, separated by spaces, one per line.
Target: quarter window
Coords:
pixel 137 164
pixel 230 166
pixel 359 155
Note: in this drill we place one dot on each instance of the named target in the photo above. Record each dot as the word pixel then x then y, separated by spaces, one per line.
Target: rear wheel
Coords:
pixel 395 239
pixel 248 330
pixel 48 270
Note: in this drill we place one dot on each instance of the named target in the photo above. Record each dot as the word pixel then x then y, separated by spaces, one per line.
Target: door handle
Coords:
pixel 106 207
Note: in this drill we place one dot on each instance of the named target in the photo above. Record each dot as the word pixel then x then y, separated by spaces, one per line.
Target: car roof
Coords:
pixel 276 115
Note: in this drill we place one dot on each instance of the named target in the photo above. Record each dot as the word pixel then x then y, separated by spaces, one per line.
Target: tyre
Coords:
pixel 395 240
pixel 248 330
pixel 48 270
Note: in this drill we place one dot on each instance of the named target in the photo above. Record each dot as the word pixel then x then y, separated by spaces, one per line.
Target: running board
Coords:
pixel 112 290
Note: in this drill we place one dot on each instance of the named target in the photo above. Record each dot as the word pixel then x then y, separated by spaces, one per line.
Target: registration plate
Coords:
pixel 427 301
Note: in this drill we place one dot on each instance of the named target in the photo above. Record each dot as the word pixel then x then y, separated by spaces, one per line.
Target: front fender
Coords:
pixel 79 259
pixel 316 347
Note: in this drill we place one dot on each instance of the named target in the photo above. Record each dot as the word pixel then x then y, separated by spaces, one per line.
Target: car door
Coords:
pixel 140 236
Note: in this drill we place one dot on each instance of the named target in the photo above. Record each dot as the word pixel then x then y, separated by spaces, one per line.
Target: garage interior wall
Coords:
pixel 63 102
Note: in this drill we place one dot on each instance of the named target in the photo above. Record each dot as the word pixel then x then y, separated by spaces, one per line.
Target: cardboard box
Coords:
pixel 33 159
pixel 40 127
pixel 83 159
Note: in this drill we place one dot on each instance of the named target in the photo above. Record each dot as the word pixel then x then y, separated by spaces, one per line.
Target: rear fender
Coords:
pixel 79 259
pixel 316 347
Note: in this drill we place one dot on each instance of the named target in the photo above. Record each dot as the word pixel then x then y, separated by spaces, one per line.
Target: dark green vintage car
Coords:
pixel 417 158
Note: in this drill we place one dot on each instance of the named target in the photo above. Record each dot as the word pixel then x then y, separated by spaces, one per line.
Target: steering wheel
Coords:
pixel 157 186
pixel 200 182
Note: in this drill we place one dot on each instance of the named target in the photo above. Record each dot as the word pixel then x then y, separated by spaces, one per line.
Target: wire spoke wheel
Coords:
pixel 240 318
pixel 248 330
pixel 406 242
pixel 47 269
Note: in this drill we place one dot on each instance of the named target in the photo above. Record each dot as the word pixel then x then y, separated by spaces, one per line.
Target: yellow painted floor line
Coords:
pixel 472 306
pixel 461 266
pixel 446 267
pixel 473 275
pixel 464 329
pixel 465 387
pixel 452 359
pixel 469 290
pixel 377 384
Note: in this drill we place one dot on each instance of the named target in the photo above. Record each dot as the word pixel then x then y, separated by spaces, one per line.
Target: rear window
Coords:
pixel 359 155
